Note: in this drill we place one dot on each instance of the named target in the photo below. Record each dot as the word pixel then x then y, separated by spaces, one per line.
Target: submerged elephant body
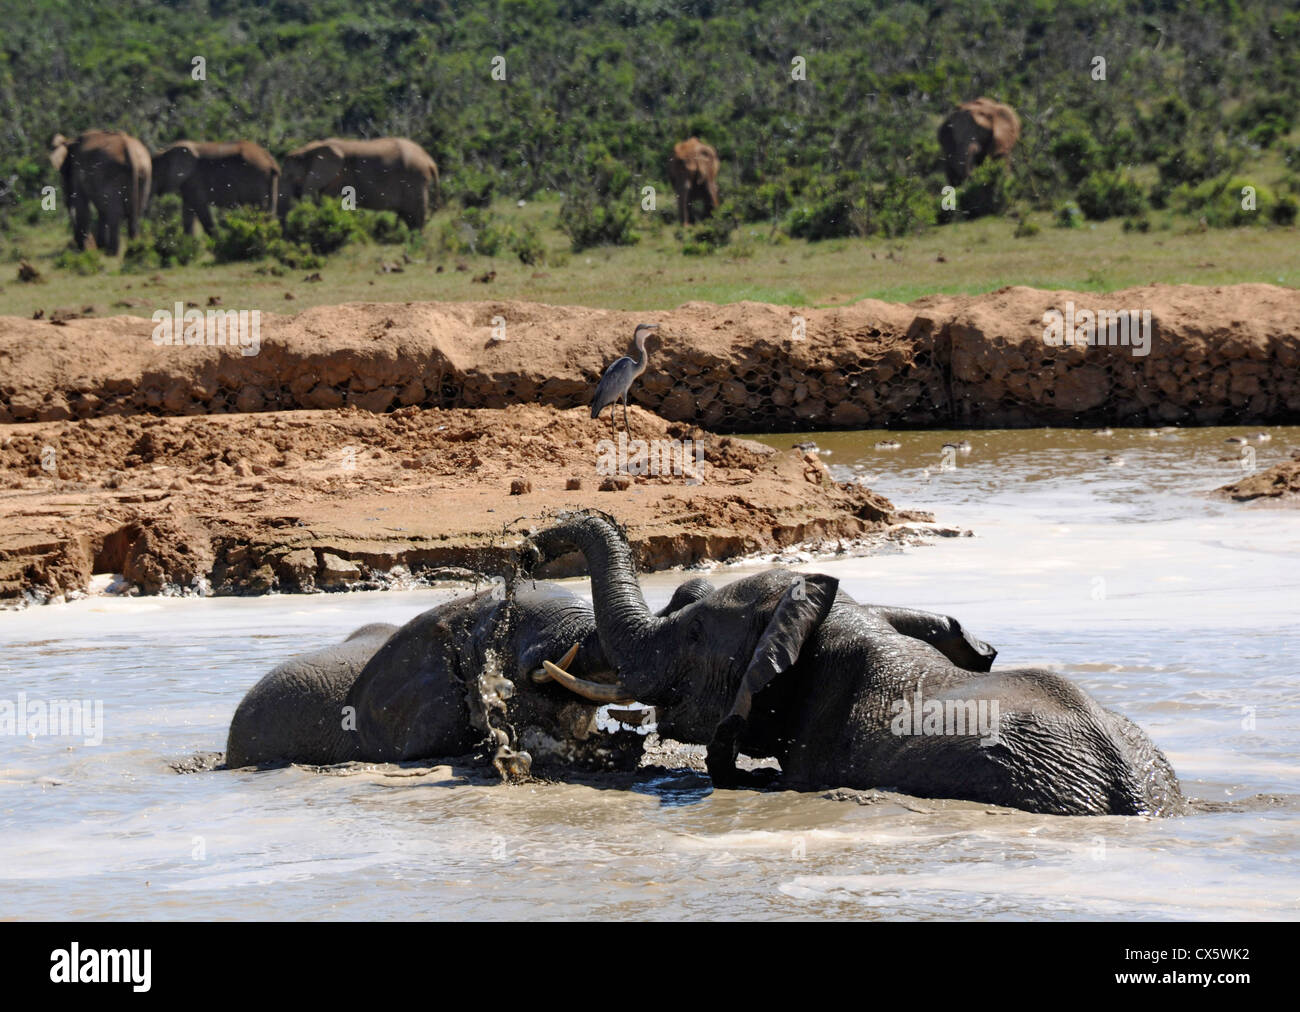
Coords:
pixel 107 172
pixel 388 695
pixel 216 174
pixel 786 665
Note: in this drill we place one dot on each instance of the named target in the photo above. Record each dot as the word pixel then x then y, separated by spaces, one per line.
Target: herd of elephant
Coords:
pixel 779 665
pixel 113 174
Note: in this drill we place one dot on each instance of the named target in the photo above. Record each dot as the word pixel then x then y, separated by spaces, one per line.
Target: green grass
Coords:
pixel 979 256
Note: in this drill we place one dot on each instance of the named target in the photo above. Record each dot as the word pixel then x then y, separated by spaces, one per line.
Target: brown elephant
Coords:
pixel 693 171
pixel 109 171
pixel 225 174
pixel 387 174
pixel 975 131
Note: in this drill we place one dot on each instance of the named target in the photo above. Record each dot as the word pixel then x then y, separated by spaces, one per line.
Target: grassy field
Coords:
pixel 969 257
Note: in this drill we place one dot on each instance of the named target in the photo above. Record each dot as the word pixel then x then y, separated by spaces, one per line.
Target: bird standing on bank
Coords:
pixel 619 376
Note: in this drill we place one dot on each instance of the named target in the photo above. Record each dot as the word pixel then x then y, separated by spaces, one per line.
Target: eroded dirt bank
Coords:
pixel 1216 356
pixel 308 500
pixel 1281 482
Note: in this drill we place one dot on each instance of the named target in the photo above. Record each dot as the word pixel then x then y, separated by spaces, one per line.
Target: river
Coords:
pixel 1172 607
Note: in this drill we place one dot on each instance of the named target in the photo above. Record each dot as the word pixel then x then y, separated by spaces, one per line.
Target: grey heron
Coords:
pixel 619 376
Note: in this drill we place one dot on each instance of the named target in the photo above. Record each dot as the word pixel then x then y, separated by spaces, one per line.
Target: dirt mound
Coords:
pixel 1280 482
pixel 320 500
pixel 1215 355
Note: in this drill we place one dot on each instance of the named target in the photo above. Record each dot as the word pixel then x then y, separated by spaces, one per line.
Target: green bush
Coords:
pixel 325 227
pixel 299 256
pixel 1220 202
pixel 712 233
pixel 1141 224
pixel 600 210
pixel 1284 211
pixel 1025 228
pixel 527 245
pixel 1077 153
pixel 163 241
pixel 1069 215
pixel 1109 194
pixel 986 191
pixel 85 262
pixel 386 228
pixel 244 233
pixel 902 206
pixel 475 231
pixel 473 188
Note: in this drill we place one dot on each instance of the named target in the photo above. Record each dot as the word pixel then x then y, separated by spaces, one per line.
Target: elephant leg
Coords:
pixel 80 219
pixel 204 214
pixel 187 219
pixel 683 205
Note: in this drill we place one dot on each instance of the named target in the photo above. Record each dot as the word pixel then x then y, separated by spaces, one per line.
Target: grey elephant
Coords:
pixel 974 131
pixel 845 695
pixel 693 171
pixel 109 172
pixel 207 174
pixel 385 174
pixel 450 680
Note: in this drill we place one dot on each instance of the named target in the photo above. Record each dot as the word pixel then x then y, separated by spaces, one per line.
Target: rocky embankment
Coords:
pixel 327 500
pixel 1215 356
pixel 1280 482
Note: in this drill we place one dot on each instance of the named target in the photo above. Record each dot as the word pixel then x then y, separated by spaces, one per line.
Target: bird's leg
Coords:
pixel 625 421
pixel 613 426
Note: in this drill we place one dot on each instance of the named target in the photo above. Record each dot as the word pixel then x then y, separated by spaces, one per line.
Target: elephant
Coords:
pixel 787 665
pixel 109 171
pixel 225 174
pixel 387 174
pixel 451 679
pixel 974 131
pixel 693 171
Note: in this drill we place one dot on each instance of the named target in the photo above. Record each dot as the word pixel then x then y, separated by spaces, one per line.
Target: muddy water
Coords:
pixel 1174 608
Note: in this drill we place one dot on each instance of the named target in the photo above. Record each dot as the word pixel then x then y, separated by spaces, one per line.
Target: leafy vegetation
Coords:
pixel 1197 97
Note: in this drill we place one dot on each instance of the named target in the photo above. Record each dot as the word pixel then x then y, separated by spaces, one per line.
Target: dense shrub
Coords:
pixel 244 233
pixel 1225 202
pixel 1110 194
pixel 600 213
pixel 386 228
pixel 472 188
pixel 84 262
pixel 163 241
pixel 987 191
pixel 1069 215
pixel 527 245
pixel 323 227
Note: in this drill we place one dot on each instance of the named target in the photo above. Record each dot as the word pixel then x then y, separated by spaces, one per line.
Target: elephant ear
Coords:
pixel 802 608
pixel 58 151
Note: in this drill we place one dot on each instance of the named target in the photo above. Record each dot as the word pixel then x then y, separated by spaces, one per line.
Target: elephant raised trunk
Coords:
pixel 626 626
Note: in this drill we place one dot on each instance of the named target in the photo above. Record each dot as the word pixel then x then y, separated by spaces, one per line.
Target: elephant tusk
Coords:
pixel 540 675
pixel 597 692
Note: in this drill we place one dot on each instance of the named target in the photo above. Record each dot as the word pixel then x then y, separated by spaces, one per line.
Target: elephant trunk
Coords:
pixel 630 634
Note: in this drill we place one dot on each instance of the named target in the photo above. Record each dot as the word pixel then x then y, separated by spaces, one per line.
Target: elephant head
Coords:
pixel 974 131
pixel 173 166
pixel 701 664
pixel 309 171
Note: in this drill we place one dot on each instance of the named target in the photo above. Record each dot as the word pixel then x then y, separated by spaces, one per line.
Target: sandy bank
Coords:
pixel 322 500
pixel 1216 356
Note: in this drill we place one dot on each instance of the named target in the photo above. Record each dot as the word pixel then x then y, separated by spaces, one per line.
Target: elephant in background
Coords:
pixel 975 131
pixel 388 174
pixel 693 171
pixel 459 675
pixel 786 665
pixel 215 173
pixel 106 170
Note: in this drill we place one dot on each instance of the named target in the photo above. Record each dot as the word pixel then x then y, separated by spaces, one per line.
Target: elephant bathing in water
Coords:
pixel 786 665
pixel 386 174
pixel 211 173
pixel 451 679
pixel 110 172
